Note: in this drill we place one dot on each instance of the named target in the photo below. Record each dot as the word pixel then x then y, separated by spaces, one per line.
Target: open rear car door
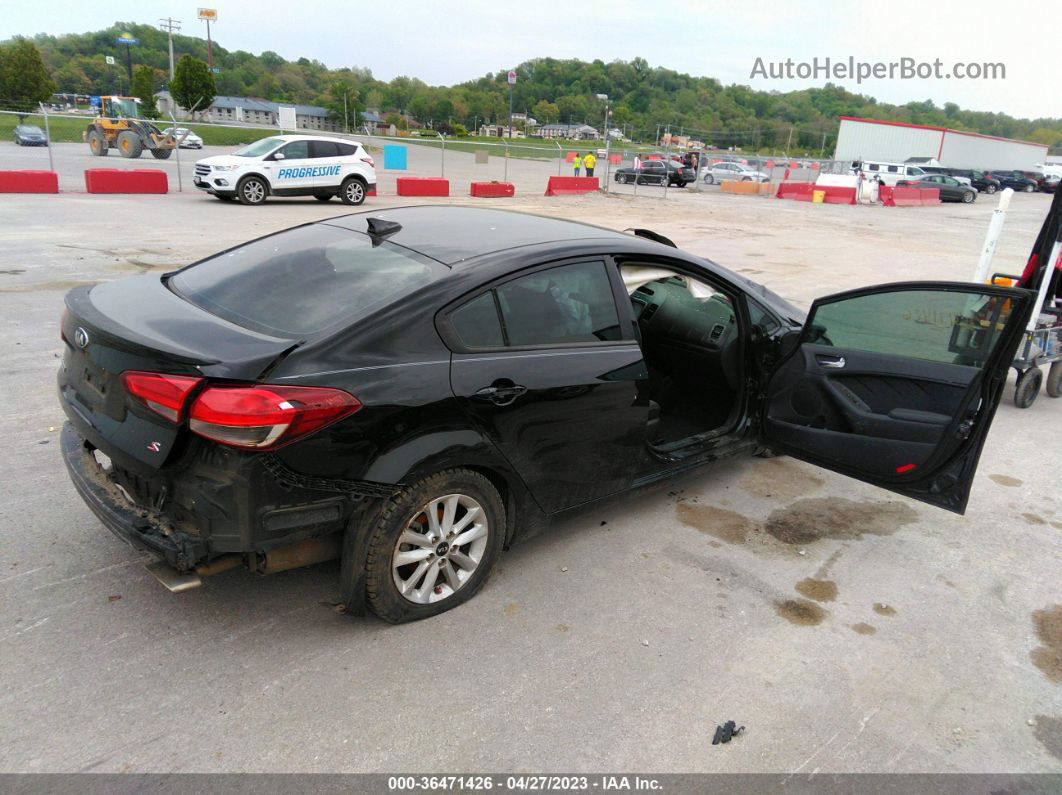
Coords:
pixel 897 384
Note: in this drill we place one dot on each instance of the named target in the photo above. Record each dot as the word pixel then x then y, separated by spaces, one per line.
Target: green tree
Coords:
pixel 144 90
pixel 342 104
pixel 193 84
pixel 24 80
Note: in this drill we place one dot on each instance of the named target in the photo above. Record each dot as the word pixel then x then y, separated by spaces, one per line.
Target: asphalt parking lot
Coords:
pixel 894 638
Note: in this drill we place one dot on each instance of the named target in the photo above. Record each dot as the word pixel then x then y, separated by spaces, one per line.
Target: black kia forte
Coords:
pixel 415 390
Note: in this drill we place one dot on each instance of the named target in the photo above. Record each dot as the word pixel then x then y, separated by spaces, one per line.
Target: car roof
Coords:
pixel 454 234
pixel 292 137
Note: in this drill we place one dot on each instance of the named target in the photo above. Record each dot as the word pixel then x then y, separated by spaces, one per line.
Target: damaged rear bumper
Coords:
pixel 133 525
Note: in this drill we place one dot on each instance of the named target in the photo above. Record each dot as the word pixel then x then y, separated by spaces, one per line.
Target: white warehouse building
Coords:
pixel 894 142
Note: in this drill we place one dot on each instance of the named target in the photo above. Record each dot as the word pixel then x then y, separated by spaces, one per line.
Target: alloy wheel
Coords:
pixel 440 549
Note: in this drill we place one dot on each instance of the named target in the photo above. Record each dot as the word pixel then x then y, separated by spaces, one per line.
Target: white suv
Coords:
pixel 290 165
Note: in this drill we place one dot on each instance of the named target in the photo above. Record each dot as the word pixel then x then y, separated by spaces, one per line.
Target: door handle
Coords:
pixel 500 395
pixel 833 362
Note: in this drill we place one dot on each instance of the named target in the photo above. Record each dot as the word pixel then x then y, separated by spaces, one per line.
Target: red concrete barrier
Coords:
pixel 423 186
pixel 492 190
pixel 29 182
pixel 837 195
pixel 371 191
pixel 902 196
pixel 799 191
pixel 571 186
pixel 116 180
pixel 570 156
pixel 615 160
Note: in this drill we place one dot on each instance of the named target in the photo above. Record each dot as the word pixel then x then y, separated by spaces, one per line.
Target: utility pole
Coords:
pixel 171 26
pixel 512 82
pixel 788 141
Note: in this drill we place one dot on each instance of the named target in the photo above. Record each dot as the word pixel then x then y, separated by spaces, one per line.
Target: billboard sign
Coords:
pixel 210 14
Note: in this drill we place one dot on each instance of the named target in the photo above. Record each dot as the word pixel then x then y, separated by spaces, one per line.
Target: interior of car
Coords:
pixel 690 338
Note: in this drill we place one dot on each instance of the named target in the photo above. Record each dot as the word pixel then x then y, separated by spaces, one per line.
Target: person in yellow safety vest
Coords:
pixel 578 164
pixel 589 161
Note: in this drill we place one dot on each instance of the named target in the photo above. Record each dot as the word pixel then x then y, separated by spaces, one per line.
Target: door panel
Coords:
pixel 897 385
pixel 567 420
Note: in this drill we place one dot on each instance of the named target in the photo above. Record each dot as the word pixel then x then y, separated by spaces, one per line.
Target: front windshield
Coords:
pixel 259 148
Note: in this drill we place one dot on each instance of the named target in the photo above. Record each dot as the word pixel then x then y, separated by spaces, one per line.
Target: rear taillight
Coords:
pixel 163 394
pixel 261 417
pixel 369 160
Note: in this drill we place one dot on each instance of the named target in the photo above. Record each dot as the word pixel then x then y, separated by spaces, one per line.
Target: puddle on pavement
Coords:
pixel 562 627
pixel 863 629
pixel 1049 732
pixel 511 609
pixel 800 611
pixel 1048 657
pixel 1056 525
pixel 1005 480
pixel 1032 518
pixel 779 478
pixel 819 590
pixel 810 519
pixel 728 526
pixel 883 609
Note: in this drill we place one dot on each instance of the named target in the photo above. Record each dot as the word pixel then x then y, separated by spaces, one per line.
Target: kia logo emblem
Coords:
pixel 81 338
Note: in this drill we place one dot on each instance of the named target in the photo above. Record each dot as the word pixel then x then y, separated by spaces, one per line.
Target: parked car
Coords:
pixel 1050 183
pixel 655 172
pixel 185 137
pixel 718 172
pixel 979 179
pixel 948 172
pixel 415 389
pixel 951 190
pixel 30 135
pixel 1015 180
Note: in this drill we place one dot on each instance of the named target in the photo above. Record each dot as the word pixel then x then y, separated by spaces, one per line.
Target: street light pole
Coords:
pixel 608 141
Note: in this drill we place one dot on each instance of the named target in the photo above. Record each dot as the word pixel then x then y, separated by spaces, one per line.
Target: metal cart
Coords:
pixel 1042 347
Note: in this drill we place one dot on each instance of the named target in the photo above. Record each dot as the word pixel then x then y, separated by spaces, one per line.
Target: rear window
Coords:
pixel 304 281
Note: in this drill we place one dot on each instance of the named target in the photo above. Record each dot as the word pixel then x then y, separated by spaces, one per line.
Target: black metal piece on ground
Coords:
pixel 726 732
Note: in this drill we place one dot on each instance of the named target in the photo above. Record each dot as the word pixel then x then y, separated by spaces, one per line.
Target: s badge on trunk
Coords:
pixel 81 337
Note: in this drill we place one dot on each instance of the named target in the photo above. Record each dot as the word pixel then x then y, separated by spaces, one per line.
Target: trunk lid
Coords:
pixel 139 324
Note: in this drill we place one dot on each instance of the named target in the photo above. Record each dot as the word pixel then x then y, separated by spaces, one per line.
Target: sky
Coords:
pixel 444 43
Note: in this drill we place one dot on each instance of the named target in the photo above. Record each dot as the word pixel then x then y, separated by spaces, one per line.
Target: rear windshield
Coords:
pixel 304 281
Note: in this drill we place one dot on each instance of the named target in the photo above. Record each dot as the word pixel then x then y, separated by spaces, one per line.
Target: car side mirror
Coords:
pixel 789 342
pixel 278 156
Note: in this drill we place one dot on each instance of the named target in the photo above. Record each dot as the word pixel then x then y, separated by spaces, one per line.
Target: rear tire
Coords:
pixel 129 144
pixel 352 191
pixel 968 197
pixel 709 179
pixel 1028 387
pixel 97 143
pixel 161 154
pixel 990 189
pixel 465 565
pixel 621 179
pixel 252 191
pixel 1028 189
pixel 1054 380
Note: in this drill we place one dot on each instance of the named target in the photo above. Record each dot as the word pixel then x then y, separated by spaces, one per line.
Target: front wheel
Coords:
pixel 621 179
pixel 252 191
pixel 161 154
pixel 709 179
pixel 97 143
pixel 129 144
pixel 1028 387
pixel 433 545
pixel 967 197
pixel 1028 189
pixel 990 189
pixel 352 191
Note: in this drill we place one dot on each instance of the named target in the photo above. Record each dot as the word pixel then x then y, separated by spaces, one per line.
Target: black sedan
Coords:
pixel 951 190
pixel 1016 180
pixel 657 172
pixel 415 390
pixel 979 179
pixel 1050 183
pixel 30 135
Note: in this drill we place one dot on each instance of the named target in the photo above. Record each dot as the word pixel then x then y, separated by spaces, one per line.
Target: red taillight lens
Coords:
pixel 260 417
pixel 369 160
pixel 163 394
